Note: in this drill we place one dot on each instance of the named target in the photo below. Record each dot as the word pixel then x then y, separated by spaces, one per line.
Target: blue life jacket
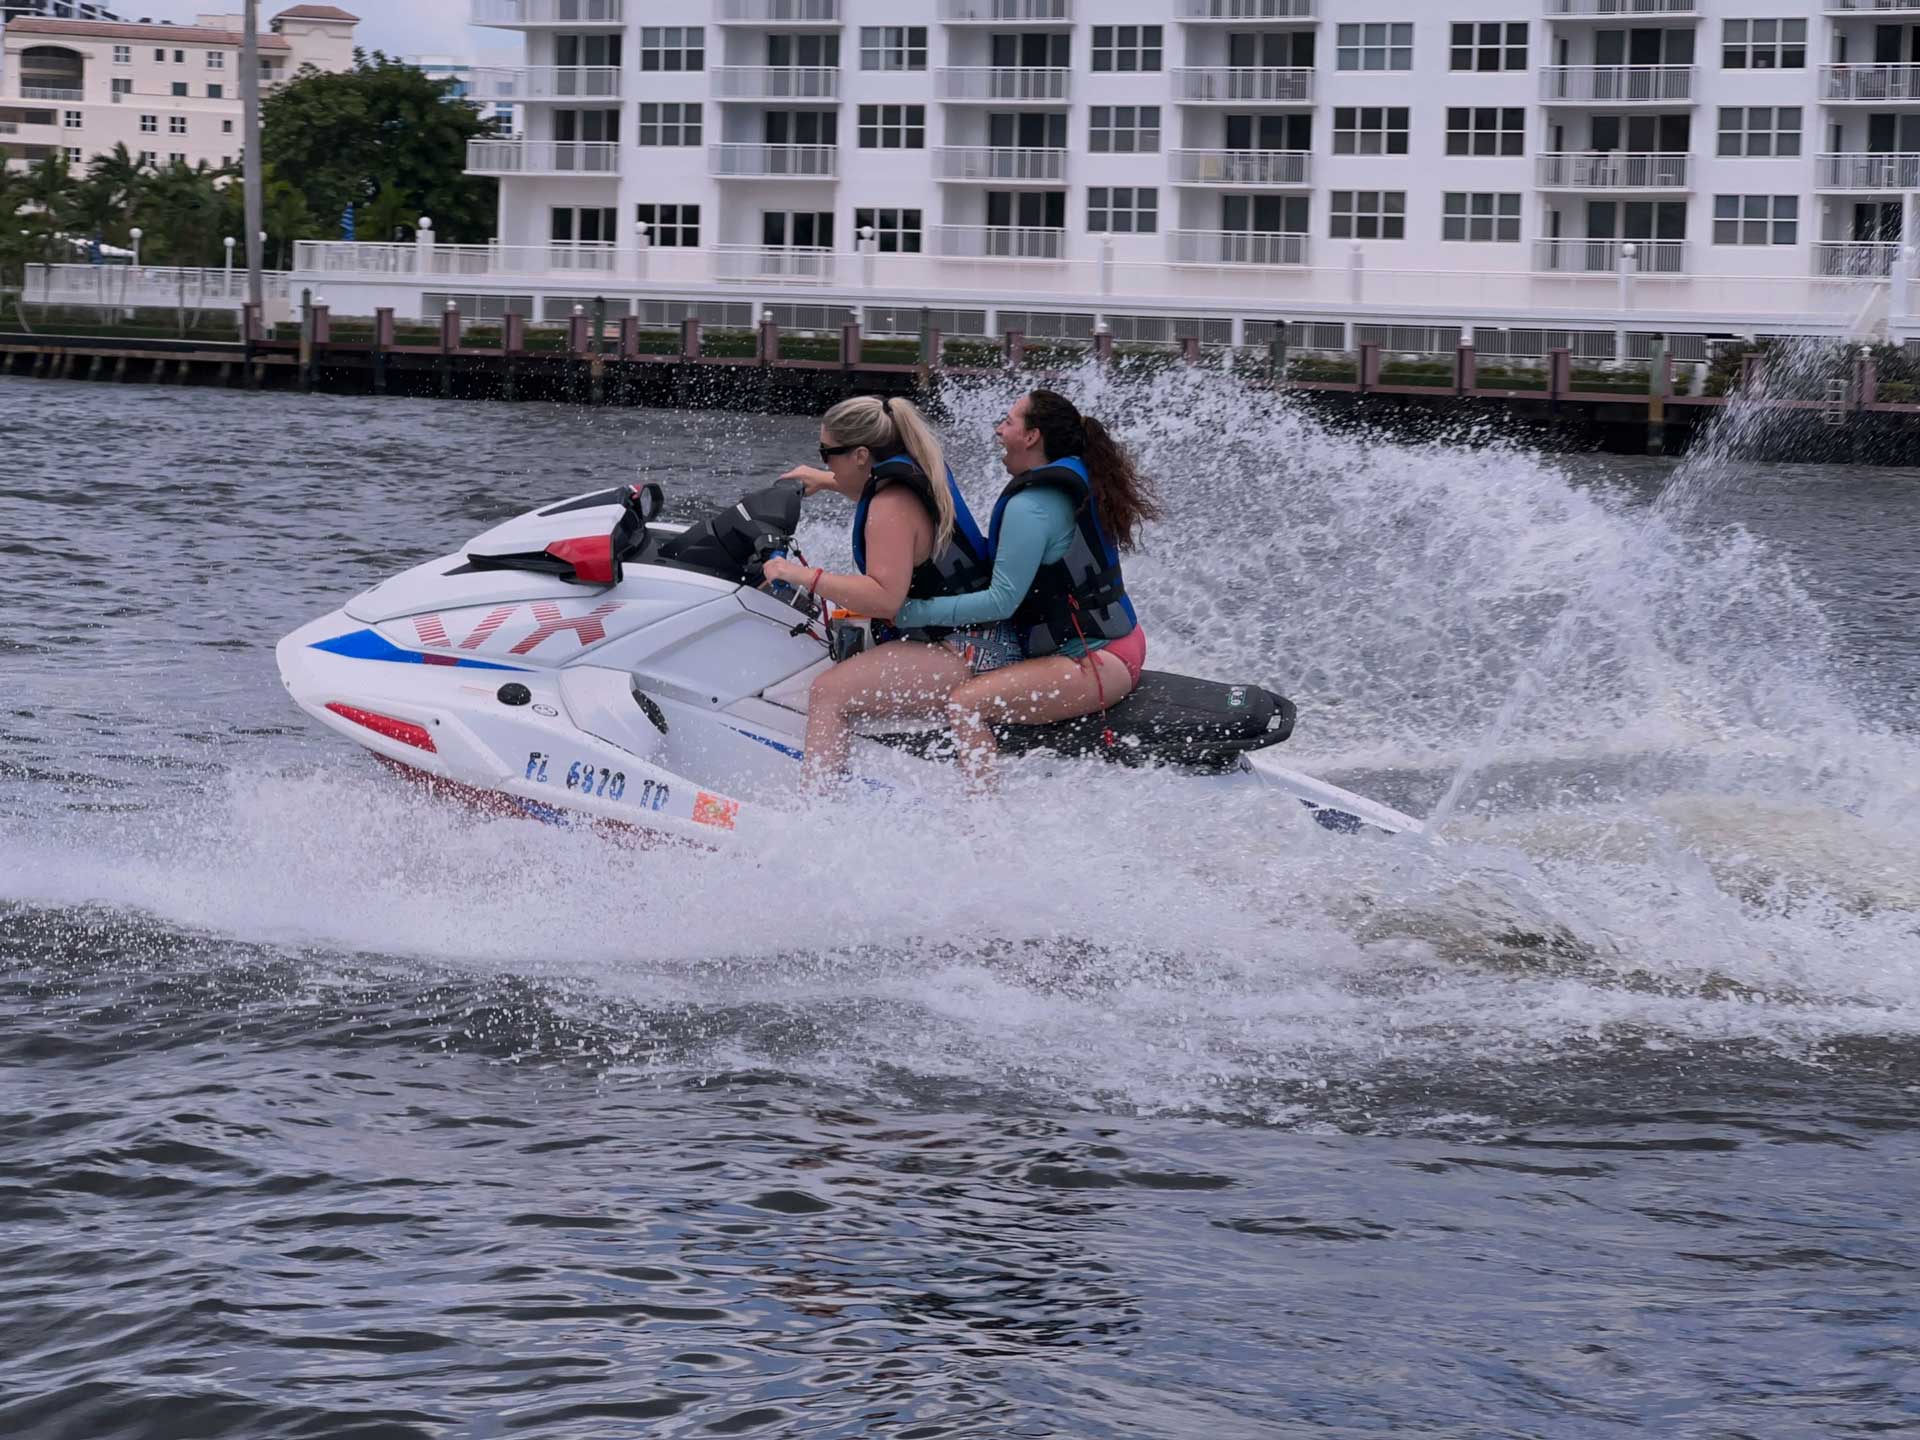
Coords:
pixel 1080 596
pixel 960 567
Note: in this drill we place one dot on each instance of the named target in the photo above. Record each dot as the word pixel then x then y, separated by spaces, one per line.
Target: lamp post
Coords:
pixel 226 288
pixel 134 234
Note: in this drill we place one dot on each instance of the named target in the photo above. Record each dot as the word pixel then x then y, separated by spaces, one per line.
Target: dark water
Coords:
pixel 327 1114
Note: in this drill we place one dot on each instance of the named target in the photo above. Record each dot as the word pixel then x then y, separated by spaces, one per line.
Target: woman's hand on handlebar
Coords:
pixel 811 477
pixel 777 570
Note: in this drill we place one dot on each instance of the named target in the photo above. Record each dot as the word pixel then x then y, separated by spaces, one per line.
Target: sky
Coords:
pixel 399 27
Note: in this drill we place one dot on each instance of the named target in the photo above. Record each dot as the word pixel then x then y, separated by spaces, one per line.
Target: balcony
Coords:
pixel 1001 84
pixel 1243 11
pixel 1242 169
pixel 533 14
pixel 1235 247
pixel 51 92
pixel 513 155
pixel 1870 84
pixel 1873 7
pixel 1854 259
pixel 1611 170
pixel 1237 85
pixel 771 162
pixel 1617 84
pixel 1622 9
pixel 1868 172
pixel 804 13
pixel 999 165
pixel 999 242
pixel 521 84
pixel 1604 257
pixel 1006 14
pixel 776 82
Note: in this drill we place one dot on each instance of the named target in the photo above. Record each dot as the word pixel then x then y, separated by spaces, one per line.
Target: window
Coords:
pixel 160 55
pixel 1121 210
pixel 1374 47
pixel 1488 45
pixel 1370 130
pixel 1126 47
pixel 176 124
pixel 673 225
pixel 1369 215
pixel 149 124
pixel 147 159
pixel 670 122
pixel 893 127
pixel 1481 217
pixel 780 229
pixel 216 60
pixel 74 154
pixel 180 87
pixel 1756 219
pixel 216 92
pixel 585 224
pixel 1764 44
pixel 673 47
pixel 1484 130
pixel 1760 130
pixel 898 232
pixel 226 127
pixel 179 57
pixel 1124 130
pixel 73 119
pixel 893 47
pixel 121 86
pixel 177 157
pixel 123 54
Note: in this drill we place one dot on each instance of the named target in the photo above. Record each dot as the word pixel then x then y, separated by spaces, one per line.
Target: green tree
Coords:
pixel 283 214
pixel 49 192
pixel 382 133
pixel 181 209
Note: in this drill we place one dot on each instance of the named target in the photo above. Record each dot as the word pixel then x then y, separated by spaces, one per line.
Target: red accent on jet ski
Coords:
pixel 590 555
pixel 587 628
pixel 405 731
pixel 495 618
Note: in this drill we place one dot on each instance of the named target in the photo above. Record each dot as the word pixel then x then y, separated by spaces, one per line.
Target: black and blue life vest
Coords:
pixel 960 567
pixel 1080 596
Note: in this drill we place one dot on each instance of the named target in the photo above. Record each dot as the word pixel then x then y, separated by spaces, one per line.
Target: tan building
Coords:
pixel 167 92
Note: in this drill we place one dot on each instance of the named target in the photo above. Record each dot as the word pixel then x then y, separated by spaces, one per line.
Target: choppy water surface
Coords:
pixel 1091 1110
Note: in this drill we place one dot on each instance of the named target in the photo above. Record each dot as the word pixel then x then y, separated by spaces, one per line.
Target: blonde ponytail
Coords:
pixel 886 427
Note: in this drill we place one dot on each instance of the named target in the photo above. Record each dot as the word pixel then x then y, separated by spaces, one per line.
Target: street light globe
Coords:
pixel 1630 250
pixel 136 232
pixel 229 242
pixel 426 223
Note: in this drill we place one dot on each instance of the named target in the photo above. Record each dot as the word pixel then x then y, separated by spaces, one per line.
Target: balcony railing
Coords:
pixel 1244 10
pixel 793 162
pixel 514 13
pixel 546 82
pixel 793 264
pixel 1604 257
pixel 1237 85
pixel 778 12
pixel 989 83
pixel 9 127
pixel 776 82
pixel 1873 7
pixel 1248 168
pixel 1236 247
pixel 1011 165
pixel 1006 12
pixel 1869 172
pixel 1869 82
pixel 1611 170
pixel 51 92
pixel 1622 9
pixel 348 257
pixel 1854 259
pixel 515 156
pixel 1005 242
pixel 1616 84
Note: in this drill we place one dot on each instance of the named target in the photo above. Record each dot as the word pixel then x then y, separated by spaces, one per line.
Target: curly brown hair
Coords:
pixel 1123 498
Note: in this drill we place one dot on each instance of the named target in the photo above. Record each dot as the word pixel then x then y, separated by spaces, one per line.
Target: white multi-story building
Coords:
pixel 1612 164
pixel 457 75
pixel 167 92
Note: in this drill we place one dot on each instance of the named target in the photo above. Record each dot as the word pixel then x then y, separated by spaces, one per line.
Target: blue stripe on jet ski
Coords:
pixel 770 744
pixel 372 645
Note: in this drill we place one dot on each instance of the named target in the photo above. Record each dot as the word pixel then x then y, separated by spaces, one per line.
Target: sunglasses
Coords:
pixel 827 452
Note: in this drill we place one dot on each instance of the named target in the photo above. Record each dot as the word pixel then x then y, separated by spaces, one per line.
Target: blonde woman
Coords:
pixel 913 538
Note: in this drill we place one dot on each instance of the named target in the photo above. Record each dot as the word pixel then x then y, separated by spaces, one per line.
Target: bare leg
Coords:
pixel 1032 692
pixel 900 679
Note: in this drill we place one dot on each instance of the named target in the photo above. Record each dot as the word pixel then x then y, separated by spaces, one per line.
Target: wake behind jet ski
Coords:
pixel 587 659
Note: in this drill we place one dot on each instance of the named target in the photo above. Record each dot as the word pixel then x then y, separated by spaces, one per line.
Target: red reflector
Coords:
pixel 590 555
pixel 405 731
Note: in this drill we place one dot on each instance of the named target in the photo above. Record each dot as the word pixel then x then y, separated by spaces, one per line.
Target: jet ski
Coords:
pixel 589 662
